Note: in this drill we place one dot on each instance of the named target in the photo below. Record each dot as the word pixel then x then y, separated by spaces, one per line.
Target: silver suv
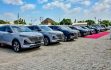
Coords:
pixel 19 37
pixel 50 36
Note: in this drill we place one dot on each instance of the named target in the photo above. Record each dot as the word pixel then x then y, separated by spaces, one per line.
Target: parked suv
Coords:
pixel 99 27
pixel 92 31
pixel 69 34
pixel 77 32
pixel 83 32
pixel 19 37
pixel 92 27
pixel 50 36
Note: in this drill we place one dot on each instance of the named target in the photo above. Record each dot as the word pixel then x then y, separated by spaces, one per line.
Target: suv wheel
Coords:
pixel 16 46
pixel 46 41
pixel 65 38
pixel 0 44
pixel 79 34
pixel 38 46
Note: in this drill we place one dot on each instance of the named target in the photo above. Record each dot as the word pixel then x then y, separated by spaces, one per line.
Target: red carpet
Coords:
pixel 96 36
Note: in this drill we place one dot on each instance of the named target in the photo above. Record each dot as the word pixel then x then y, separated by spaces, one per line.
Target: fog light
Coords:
pixel 54 37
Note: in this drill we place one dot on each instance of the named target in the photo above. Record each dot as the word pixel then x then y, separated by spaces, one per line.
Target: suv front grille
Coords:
pixel 36 39
pixel 60 36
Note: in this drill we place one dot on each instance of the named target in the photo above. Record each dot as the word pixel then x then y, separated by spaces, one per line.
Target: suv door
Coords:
pixel 8 35
pixel 2 29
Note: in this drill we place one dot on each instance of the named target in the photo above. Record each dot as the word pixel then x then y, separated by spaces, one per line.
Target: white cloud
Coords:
pixel 26 7
pixel 13 2
pixel 42 1
pixel 9 16
pixel 76 10
pixel 66 5
pixel 102 5
pixel 57 4
pixel 86 2
pixel 74 1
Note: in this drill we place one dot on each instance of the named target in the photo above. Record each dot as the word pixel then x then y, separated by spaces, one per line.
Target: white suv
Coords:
pixel 19 37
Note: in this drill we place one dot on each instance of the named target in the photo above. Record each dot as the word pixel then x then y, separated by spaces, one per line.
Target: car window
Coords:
pixel 32 28
pixel 8 29
pixel 5 29
pixel 21 29
pixel 51 27
pixel 37 28
pixel 45 28
pixel 54 27
pixel 2 28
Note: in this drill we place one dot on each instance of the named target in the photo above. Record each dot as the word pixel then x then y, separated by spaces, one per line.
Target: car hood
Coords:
pixel 55 32
pixel 74 31
pixel 82 29
pixel 30 34
pixel 71 31
pixel 92 29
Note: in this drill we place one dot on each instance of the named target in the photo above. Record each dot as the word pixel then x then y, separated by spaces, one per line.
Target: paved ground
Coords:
pixel 82 54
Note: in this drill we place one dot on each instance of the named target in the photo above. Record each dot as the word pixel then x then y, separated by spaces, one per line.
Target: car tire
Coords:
pixel 0 44
pixel 65 38
pixel 46 41
pixel 16 46
pixel 79 34
pixel 38 46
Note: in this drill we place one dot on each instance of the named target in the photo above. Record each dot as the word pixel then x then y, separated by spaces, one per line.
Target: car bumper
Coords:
pixel 72 37
pixel 88 33
pixel 56 40
pixel 32 45
pixel 85 33
pixel 79 34
pixel 76 36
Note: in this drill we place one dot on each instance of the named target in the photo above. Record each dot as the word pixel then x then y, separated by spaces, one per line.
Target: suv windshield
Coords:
pixel 20 29
pixel 65 28
pixel 84 27
pixel 45 28
pixel 78 27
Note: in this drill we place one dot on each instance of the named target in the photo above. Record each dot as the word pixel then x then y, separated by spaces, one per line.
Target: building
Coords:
pixel 47 21
pixel 81 24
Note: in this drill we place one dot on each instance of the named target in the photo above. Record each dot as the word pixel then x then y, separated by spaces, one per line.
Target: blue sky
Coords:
pixel 32 10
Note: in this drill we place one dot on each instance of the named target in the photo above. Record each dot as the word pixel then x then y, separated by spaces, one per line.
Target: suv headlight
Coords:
pixel 23 36
pixel 26 42
pixel 52 33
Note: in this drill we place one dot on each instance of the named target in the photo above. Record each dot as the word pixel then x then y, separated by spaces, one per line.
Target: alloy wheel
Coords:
pixel 46 41
pixel 16 46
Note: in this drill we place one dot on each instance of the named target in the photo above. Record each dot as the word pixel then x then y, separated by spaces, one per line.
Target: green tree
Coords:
pixel 90 22
pixel 66 22
pixel 82 21
pixel 105 22
pixel 20 21
pixel 55 23
pixel 3 22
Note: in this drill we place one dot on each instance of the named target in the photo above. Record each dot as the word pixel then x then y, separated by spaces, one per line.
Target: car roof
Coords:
pixel 10 25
